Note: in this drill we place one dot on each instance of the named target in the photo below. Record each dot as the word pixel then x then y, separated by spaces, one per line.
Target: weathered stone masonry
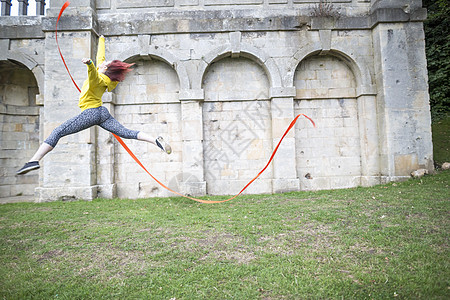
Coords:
pixel 221 80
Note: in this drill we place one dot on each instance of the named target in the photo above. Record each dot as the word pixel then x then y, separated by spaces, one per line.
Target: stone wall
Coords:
pixel 222 80
pixel 19 120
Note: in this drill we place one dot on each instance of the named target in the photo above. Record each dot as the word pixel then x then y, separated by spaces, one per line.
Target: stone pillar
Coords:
pixel 69 171
pixel 23 7
pixel 40 7
pixel 369 140
pixel 6 7
pixel 402 100
pixel 284 164
pixel 193 180
pixel 106 186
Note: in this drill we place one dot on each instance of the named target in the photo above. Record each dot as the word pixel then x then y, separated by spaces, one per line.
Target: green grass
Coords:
pixel 388 241
pixel 441 141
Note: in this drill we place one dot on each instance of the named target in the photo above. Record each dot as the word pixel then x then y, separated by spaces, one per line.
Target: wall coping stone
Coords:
pixel 7 109
pixel 198 22
pixel 192 95
pixel 282 92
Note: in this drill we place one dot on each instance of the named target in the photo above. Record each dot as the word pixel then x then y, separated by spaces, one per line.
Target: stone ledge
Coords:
pixel 394 15
pixel 65 193
pixel 387 179
pixel 192 95
pixel 381 15
pixel 198 22
pixel 404 4
pixel 246 20
pixel 74 20
pixel 282 92
pixel 285 185
pixel 15 28
pixel 19 110
pixel 108 191
pixel 16 199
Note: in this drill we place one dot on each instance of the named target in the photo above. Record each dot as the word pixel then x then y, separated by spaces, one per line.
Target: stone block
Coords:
pixel 314 183
pixel 192 130
pixel 367 181
pixel 192 95
pixel 232 187
pixel 325 39
pixel 103 4
pixel 232 2
pixel 150 189
pixel 402 4
pixel 43 194
pixel 194 189
pixel 128 190
pixel 317 1
pixel 5 191
pixel 405 164
pixel 284 161
pixel 187 2
pixel 285 185
pixel 23 189
pixel 282 92
pixel 145 4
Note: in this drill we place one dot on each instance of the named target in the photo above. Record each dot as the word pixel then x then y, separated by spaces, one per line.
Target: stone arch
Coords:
pixel 350 113
pixel 29 63
pixel 236 125
pixel 153 81
pixel 326 92
pixel 151 52
pixel 363 77
pixel 20 122
pixel 250 84
pixel 244 50
pixel 324 77
pixel 154 87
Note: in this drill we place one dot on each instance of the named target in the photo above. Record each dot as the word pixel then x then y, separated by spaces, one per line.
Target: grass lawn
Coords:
pixel 388 241
pixel 441 141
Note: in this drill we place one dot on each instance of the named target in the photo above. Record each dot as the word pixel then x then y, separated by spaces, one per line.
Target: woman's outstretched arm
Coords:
pixel 100 51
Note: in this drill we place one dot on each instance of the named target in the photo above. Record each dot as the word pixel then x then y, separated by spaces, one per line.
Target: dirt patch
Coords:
pixel 49 256
pixel 219 246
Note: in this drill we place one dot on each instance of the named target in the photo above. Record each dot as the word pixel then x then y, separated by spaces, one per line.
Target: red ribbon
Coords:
pixel 245 187
pixel 142 166
pixel 59 49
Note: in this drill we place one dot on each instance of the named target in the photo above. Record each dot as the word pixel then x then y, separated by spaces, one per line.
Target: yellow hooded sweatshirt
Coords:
pixel 96 84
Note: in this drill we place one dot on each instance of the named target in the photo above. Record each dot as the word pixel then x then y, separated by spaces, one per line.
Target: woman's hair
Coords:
pixel 116 70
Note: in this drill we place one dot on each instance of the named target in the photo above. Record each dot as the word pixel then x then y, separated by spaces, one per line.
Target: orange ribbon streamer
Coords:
pixel 245 187
pixel 59 49
pixel 142 166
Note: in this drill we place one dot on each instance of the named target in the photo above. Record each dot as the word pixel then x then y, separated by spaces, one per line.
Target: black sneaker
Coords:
pixel 163 145
pixel 29 166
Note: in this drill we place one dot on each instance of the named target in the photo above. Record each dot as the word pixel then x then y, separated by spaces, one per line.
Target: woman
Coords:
pixel 106 76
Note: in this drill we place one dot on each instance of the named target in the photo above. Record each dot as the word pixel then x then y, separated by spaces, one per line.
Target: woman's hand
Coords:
pixel 86 61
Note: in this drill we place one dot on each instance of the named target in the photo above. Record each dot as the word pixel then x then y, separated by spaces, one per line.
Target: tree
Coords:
pixel 437 36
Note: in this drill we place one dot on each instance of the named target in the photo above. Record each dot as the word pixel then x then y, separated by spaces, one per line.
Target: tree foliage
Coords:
pixel 437 35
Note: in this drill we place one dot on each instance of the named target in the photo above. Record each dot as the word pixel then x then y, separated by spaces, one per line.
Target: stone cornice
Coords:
pixel 198 22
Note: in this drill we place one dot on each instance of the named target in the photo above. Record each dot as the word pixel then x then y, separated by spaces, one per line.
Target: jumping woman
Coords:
pixel 106 75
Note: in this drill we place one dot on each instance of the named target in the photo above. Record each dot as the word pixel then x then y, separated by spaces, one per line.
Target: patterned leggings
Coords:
pixel 93 116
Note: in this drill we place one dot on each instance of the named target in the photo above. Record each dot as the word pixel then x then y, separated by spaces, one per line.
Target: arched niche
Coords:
pixel 236 126
pixel 20 123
